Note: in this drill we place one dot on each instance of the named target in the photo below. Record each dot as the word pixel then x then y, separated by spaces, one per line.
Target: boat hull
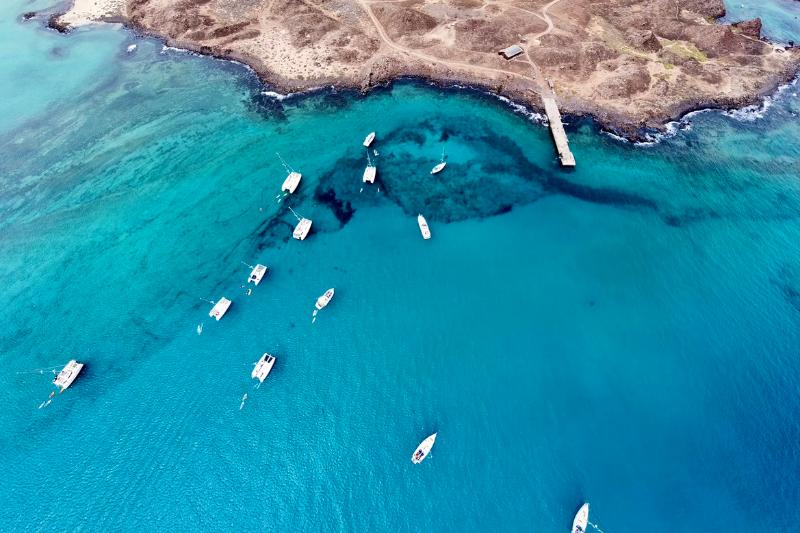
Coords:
pixel 220 308
pixel 68 374
pixel 423 449
pixel 263 367
pixel 323 300
pixel 423 227
pixel 581 519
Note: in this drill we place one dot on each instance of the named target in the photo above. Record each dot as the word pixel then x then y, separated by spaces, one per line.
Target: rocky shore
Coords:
pixel 632 65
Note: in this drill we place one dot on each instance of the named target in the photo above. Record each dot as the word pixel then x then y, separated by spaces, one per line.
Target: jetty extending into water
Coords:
pixel 557 129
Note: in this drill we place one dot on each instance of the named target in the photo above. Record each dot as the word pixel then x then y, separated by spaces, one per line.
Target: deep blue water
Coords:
pixel 624 334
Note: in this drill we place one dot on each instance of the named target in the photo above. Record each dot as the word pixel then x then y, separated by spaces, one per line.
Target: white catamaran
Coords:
pixel 323 300
pixel 257 274
pixel 370 171
pixel 423 227
pixel 581 519
pixel 369 139
pixel 68 374
pixel 303 226
pixel 220 308
pixel 263 367
pixel 292 180
pixel 440 166
pixel 423 449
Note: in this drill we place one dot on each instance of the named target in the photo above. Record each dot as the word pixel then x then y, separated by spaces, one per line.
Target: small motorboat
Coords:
pixel 220 308
pixel 369 139
pixel 581 519
pixel 68 374
pixel 323 300
pixel 423 227
pixel 262 368
pixel 257 274
pixel 423 449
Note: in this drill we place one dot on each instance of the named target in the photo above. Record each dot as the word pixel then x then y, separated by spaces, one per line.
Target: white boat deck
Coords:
pixel 220 308
pixel 369 174
pixel 291 182
pixel 68 374
pixel 257 274
pixel 263 367
pixel 301 230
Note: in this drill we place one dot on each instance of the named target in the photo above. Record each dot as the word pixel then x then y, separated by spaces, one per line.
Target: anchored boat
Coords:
pixel 423 449
pixel 370 171
pixel 301 230
pixel 369 139
pixel 423 227
pixel 68 374
pixel 303 226
pixel 263 367
pixel 220 308
pixel 292 180
pixel 257 274
pixel 323 300
pixel 440 166
pixel 581 519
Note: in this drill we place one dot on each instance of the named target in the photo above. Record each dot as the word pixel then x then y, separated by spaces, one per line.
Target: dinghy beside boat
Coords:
pixel 68 374
pixel 220 308
pixel 423 449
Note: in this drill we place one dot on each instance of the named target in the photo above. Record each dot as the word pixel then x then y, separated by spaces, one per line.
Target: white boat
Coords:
pixel 291 182
pixel 423 227
pixel 369 139
pixel 68 374
pixel 263 367
pixel 423 450
pixel 220 308
pixel 323 300
pixel 369 174
pixel 301 230
pixel 370 171
pixel 257 274
pixel 440 166
pixel 581 519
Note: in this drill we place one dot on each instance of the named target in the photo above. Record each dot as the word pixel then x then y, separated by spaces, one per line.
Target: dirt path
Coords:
pixel 427 57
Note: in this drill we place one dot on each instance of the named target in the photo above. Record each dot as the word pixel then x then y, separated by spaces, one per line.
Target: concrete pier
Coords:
pixel 557 129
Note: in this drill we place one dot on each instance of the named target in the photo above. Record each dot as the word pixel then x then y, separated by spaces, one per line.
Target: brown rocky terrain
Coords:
pixel 631 63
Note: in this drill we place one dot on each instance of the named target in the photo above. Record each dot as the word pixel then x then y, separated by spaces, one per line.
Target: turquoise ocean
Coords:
pixel 627 333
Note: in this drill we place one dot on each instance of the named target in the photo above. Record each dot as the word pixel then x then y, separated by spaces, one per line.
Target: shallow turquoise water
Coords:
pixel 625 334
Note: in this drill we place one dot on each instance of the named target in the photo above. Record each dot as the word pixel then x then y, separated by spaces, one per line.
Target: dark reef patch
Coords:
pixel 342 209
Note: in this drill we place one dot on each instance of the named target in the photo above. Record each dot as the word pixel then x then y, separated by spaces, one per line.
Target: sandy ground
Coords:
pixel 85 12
pixel 630 63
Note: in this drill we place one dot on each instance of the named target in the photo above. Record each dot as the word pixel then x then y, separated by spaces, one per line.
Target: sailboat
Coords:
pixel 581 519
pixel 423 227
pixel 303 226
pixel 440 166
pixel 369 172
pixel 423 449
pixel 292 180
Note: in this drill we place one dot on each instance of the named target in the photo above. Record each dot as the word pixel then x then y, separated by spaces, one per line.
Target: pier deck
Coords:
pixel 557 129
